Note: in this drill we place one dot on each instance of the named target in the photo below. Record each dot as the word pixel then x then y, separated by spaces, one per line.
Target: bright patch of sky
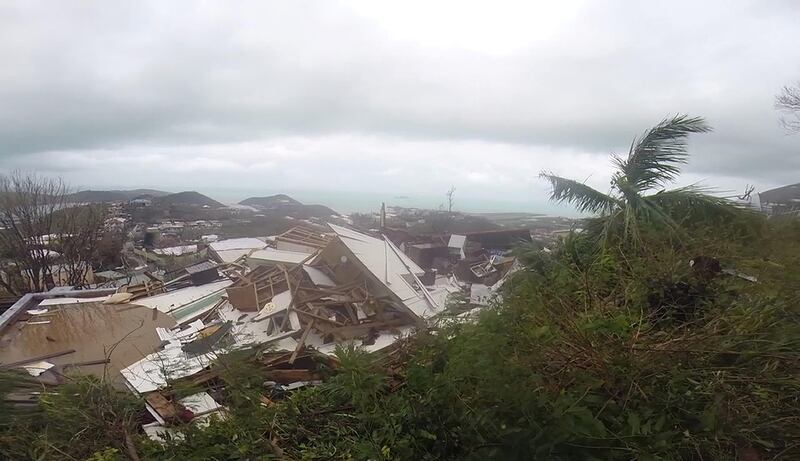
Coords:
pixel 372 100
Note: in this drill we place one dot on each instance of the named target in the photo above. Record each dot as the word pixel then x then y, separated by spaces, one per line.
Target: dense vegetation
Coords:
pixel 669 329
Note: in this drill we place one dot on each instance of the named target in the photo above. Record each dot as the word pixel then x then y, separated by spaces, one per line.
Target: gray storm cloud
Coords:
pixel 377 97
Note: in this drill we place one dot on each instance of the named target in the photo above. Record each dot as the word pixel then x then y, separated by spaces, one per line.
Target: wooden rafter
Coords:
pixel 304 236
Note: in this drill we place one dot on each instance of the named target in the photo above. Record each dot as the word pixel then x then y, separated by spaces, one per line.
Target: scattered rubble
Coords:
pixel 297 295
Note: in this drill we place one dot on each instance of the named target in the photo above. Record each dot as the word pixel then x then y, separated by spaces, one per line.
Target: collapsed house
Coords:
pixel 230 250
pixel 299 295
pixel 347 287
pixel 781 200
pixel 484 258
pixel 53 334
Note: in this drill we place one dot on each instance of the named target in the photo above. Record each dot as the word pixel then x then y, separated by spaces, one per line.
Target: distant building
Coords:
pixel 781 200
pixel 141 202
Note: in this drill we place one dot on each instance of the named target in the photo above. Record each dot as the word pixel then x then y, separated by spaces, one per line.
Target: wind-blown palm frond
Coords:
pixel 654 159
pixel 693 203
pixel 627 214
pixel 583 197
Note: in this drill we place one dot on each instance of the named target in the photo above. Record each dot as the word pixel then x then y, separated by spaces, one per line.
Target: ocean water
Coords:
pixel 363 202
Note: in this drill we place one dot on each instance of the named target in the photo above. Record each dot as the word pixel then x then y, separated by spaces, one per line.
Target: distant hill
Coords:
pixel 150 192
pixel 283 205
pixel 270 202
pixel 95 196
pixel 191 198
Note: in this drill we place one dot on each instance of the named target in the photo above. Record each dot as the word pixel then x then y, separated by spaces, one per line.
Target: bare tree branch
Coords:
pixel 45 239
pixel 788 102
pixel 451 198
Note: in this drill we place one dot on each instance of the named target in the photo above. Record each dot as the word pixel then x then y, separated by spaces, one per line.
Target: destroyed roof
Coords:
pixel 237 244
pixel 391 267
pixel 172 362
pixel 78 335
pixel 153 371
pixel 290 308
pixel 318 277
pixel 371 251
pixel 304 236
pixel 229 256
pixel 70 300
pixel 176 250
pixel 187 302
pixel 382 341
pixel 200 403
pixel 783 194
pixel 279 256
pixel 201 267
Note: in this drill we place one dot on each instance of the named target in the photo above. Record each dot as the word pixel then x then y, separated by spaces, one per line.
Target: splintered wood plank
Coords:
pixel 291 376
pixel 162 406
pixel 351 311
pixel 354 331
pixel 317 317
pixel 303 338
pixel 35 359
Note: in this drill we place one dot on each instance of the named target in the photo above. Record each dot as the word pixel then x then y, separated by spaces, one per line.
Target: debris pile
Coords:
pixel 298 294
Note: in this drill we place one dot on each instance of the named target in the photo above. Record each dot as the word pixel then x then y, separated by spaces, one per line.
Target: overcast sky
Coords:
pixel 404 98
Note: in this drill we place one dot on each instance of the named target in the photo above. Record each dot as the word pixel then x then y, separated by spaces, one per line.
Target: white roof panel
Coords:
pixel 169 302
pixel 200 403
pixel 319 278
pixel 230 256
pixel 59 301
pixel 373 249
pixel 384 339
pixel 279 256
pixel 457 241
pixel 237 244
pixel 152 372
pixel 389 265
pixel 176 251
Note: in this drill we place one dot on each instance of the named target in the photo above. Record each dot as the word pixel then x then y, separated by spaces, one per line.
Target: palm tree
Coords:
pixel 653 161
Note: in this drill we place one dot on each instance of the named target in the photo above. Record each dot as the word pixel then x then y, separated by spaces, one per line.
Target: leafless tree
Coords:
pixel 43 235
pixel 788 101
pixel 748 191
pixel 451 198
pixel 80 230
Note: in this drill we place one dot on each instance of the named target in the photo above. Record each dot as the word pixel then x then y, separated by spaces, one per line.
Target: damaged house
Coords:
pixel 781 200
pixel 299 294
pixel 347 288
